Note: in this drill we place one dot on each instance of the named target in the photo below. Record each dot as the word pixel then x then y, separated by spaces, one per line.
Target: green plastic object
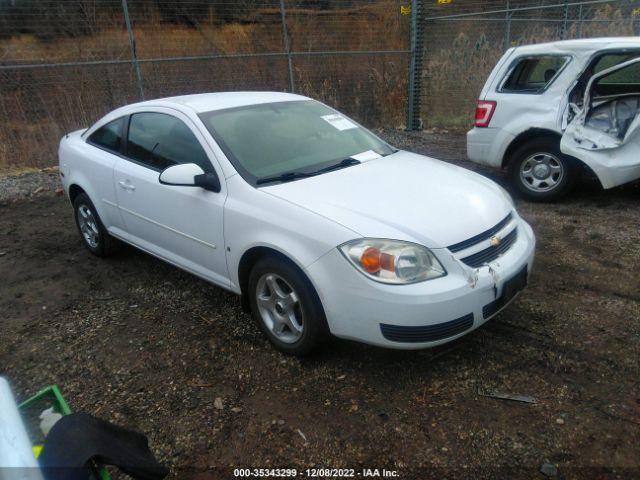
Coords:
pixel 51 393
pixel 60 405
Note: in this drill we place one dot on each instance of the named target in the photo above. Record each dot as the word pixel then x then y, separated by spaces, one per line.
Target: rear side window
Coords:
pixel 158 140
pixel 109 136
pixel 533 74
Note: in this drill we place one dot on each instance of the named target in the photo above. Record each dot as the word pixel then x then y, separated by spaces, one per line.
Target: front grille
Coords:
pixel 470 242
pixel 427 333
pixel 489 254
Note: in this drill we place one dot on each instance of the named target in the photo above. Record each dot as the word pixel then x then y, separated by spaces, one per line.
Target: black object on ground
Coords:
pixel 78 438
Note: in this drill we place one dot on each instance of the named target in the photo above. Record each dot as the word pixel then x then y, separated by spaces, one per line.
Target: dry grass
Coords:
pixel 461 54
pixel 38 106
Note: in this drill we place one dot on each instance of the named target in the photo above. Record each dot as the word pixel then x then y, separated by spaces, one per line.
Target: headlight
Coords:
pixel 392 261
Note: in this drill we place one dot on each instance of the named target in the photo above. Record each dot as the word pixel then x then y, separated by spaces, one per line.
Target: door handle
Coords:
pixel 126 185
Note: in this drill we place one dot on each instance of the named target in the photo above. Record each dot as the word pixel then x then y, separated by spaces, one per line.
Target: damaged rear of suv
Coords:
pixel 549 112
pixel 605 131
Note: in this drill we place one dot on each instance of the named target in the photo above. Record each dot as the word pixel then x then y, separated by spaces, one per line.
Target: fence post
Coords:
pixel 507 28
pixel 579 28
pixel 287 47
pixel 563 34
pixel 132 42
pixel 415 67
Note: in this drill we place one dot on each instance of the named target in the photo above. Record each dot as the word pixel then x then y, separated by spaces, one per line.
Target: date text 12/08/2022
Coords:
pixel 316 473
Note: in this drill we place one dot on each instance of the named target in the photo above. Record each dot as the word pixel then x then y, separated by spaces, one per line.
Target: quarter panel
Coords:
pixel 497 73
pixel 92 170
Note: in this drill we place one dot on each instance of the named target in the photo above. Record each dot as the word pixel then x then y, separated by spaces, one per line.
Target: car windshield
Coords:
pixel 289 139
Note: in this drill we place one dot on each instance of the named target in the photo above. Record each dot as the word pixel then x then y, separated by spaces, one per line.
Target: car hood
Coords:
pixel 404 196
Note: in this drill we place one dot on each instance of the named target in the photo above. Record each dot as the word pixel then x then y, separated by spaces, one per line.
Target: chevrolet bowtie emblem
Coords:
pixel 495 241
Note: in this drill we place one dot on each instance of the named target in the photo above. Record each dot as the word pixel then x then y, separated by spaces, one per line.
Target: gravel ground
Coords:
pixel 140 343
pixel 28 185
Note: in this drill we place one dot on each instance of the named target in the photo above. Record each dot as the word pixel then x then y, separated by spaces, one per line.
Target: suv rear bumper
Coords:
pixel 487 146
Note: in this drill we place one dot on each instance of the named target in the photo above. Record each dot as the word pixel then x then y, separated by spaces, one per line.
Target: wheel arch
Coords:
pixel 536 132
pixel 249 259
pixel 524 137
pixel 79 185
pixel 74 191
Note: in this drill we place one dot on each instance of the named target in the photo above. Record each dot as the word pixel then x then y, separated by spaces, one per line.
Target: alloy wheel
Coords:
pixel 279 307
pixel 88 226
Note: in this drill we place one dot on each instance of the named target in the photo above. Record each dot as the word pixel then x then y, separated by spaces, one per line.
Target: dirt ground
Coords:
pixel 140 343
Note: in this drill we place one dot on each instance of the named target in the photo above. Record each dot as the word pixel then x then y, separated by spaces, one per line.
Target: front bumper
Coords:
pixel 357 307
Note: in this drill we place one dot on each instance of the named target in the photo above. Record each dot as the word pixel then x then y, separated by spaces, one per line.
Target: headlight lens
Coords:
pixel 392 261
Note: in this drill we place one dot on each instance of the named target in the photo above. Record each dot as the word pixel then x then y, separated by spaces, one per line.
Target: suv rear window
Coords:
pixel 533 74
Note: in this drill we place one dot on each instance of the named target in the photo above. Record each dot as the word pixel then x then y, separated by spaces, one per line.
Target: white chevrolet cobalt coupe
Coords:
pixel 320 225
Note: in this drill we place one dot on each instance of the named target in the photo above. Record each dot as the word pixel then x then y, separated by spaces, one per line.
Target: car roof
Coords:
pixel 583 45
pixel 207 102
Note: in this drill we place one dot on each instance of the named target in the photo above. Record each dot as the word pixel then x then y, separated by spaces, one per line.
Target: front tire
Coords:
pixel 540 171
pixel 286 307
pixel 92 232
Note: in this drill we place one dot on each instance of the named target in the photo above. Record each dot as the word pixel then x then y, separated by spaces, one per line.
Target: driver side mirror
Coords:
pixel 190 175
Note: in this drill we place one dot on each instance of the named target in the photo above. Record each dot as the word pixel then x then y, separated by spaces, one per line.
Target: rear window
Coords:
pixel 533 74
pixel 109 136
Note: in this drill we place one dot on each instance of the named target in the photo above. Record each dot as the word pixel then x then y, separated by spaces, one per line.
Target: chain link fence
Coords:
pixel 460 43
pixel 63 64
pixel 391 63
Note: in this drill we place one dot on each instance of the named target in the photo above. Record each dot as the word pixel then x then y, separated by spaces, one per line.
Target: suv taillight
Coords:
pixel 484 112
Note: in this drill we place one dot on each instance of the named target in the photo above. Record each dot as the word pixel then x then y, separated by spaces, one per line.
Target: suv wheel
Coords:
pixel 540 171
pixel 285 306
pixel 94 235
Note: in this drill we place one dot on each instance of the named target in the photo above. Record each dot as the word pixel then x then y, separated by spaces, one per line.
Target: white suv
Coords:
pixel 548 111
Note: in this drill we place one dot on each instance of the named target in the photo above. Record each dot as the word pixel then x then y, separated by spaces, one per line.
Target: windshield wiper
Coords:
pixel 285 177
pixel 347 162
pixel 289 176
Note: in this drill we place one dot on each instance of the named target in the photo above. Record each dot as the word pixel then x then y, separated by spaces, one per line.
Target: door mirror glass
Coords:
pixel 181 175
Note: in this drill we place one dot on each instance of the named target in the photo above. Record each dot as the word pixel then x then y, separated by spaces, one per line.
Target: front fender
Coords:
pixel 254 218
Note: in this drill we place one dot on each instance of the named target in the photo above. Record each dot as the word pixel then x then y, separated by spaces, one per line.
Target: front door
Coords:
pixel 181 224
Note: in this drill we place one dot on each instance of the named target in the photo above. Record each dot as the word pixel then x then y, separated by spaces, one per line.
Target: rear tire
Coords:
pixel 286 307
pixel 92 232
pixel 540 171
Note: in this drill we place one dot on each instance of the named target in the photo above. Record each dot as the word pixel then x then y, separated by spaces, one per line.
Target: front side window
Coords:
pixel 609 60
pixel 109 136
pixel 533 74
pixel 267 140
pixel 159 141
pixel 624 80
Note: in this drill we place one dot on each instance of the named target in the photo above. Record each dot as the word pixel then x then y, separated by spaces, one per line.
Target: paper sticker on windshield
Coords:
pixel 368 155
pixel 338 121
